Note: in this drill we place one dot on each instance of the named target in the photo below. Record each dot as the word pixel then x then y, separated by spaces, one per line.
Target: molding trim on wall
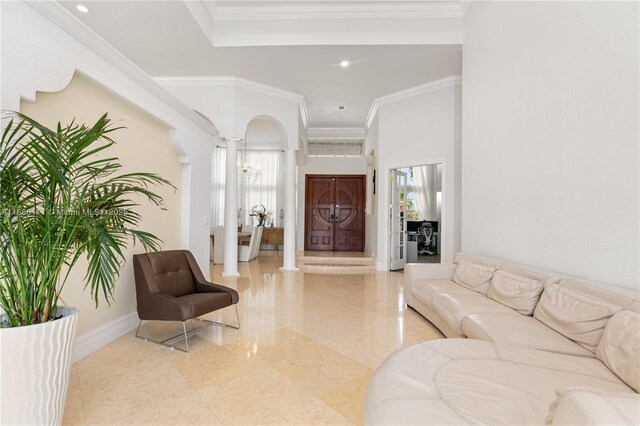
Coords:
pixel 304 114
pixel 465 5
pixel 342 12
pixel 103 335
pixel 203 16
pixel 336 133
pixel 78 30
pixel 373 111
pixel 432 86
pixel 238 83
pixel 235 10
pixel 272 22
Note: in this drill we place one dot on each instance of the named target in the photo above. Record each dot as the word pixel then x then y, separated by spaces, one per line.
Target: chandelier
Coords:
pixel 247 170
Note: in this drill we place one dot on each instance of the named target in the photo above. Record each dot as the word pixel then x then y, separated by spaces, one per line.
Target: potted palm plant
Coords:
pixel 62 198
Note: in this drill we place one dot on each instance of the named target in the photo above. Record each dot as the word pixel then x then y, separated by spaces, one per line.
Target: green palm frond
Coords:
pixel 60 200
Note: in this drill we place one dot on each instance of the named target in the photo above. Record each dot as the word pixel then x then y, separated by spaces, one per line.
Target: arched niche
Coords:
pixel 265 132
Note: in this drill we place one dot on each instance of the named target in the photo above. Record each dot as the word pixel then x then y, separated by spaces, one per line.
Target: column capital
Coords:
pixel 232 140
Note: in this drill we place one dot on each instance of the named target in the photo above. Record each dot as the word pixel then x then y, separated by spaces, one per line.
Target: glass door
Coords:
pixel 398 220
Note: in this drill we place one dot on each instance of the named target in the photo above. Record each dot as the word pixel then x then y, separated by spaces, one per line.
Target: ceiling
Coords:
pixel 163 39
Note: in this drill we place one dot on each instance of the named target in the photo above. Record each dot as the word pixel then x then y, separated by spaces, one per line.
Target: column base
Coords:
pixel 294 269
pixel 231 274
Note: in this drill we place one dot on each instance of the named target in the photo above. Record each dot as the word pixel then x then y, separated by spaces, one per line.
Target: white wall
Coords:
pixel 322 166
pixel 231 103
pixel 84 102
pixel 263 134
pixel 38 54
pixel 416 130
pixel 250 104
pixel 550 136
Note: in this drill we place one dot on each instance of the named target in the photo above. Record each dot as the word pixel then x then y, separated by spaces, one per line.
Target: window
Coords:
pixel 410 197
pixel 265 190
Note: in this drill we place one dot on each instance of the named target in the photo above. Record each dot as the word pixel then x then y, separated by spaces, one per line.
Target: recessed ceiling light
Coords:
pixel 82 8
pixel 344 64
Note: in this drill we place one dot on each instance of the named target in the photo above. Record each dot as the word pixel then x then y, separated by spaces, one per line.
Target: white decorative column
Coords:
pixel 231 211
pixel 289 252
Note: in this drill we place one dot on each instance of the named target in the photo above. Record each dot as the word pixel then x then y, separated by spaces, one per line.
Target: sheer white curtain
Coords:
pixel 266 190
pixel 267 187
pixel 218 178
pixel 424 187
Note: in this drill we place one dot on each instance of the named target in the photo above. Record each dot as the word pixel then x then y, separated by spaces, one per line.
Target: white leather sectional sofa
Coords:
pixel 526 346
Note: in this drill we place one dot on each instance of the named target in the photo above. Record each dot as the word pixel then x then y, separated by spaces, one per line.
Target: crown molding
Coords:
pixel 269 10
pixel 433 86
pixel 61 17
pixel 328 22
pixel 373 111
pixel 239 83
pixel 304 114
pixel 203 14
pixel 465 5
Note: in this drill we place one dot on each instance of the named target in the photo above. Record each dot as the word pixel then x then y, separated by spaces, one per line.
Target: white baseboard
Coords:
pixel 95 339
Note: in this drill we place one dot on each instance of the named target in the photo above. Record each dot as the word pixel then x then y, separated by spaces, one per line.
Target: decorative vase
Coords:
pixel 35 368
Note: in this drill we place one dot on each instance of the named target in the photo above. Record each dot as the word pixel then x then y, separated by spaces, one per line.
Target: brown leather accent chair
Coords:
pixel 171 287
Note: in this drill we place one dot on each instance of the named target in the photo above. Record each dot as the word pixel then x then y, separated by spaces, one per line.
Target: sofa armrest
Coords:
pixel 429 271
pixel 205 286
pixel 208 287
pixel 425 271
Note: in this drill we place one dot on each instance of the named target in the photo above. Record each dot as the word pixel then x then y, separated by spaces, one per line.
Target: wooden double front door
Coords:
pixel 334 212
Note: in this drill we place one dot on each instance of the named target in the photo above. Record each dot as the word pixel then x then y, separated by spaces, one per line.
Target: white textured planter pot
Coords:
pixel 35 367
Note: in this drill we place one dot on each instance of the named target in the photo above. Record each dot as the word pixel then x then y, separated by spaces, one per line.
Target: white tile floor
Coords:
pixel 304 355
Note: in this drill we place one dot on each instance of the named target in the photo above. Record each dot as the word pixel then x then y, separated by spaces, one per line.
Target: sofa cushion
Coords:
pixel 453 308
pixel 575 315
pixel 473 276
pixel 519 293
pixel 515 329
pixel 619 348
pixel 427 290
pixel 462 381
pixel 594 407
pixel 626 298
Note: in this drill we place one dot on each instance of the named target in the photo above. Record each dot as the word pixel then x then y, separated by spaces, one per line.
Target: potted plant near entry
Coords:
pixel 260 212
pixel 62 198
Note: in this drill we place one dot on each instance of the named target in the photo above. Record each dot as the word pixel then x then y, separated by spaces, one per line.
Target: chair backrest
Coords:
pixel 427 232
pixel 255 242
pixel 166 272
pixel 173 273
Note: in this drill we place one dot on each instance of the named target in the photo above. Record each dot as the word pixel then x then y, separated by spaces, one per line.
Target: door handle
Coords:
pixel 332 218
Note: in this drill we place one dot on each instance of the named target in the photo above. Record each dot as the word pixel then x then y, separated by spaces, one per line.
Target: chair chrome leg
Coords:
pixel 237 318
pixel 164 343
pixel 138 330
pixel 221 324
pixel 186 341
pixel 186 333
